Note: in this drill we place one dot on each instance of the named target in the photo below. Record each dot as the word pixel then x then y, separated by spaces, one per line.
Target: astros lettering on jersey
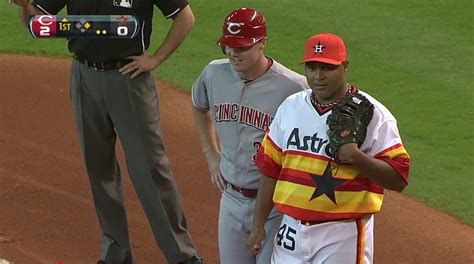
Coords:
pixel 309 186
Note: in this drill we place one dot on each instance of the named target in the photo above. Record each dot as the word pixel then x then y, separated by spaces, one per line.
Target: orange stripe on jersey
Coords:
pixel 360 223
pixel 268 159
pixel 394 151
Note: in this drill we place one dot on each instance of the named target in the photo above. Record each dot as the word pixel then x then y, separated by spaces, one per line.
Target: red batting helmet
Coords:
pixel 243 27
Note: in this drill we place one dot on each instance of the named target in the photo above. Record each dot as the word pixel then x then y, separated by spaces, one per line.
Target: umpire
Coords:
pixel 113 91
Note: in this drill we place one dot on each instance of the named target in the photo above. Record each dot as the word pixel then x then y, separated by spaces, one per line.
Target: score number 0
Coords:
pixel 122 31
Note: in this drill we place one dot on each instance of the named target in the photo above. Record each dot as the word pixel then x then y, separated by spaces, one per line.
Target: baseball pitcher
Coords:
pixel 328 156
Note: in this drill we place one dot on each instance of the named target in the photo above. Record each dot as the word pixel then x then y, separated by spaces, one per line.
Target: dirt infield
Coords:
pixel 46 212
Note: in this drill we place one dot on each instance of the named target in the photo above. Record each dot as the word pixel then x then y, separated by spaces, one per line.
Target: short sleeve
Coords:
pixel 389 148
pixel 384 136
pixel 270 155
pixel 274 130
pixel 49 7
pixel 199 92
pixel 169 8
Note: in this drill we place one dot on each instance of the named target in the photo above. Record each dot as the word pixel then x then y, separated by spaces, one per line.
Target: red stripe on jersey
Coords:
pixel 400 164
pixel 358 185
pixel 267 165
pixel 309 215
pixel 296 176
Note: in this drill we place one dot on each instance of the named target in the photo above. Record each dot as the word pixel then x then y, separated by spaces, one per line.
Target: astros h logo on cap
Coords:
pixel 326 48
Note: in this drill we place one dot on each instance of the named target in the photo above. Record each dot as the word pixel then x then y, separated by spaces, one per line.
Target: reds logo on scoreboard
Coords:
pixel 43 26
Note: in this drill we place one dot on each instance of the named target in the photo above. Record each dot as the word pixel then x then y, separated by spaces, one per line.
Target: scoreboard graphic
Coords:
pixel 115 26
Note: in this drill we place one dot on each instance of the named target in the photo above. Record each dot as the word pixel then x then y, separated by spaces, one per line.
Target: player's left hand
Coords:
pixel 140 64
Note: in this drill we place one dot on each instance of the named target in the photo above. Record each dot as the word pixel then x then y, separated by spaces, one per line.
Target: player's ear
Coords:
pixel 345 65
pixel 263 43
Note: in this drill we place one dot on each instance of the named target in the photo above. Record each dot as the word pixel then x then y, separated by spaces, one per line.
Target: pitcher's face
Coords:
pixel 327 81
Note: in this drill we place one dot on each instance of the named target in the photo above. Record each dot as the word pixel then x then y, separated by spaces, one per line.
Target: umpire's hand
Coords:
pixel 140 64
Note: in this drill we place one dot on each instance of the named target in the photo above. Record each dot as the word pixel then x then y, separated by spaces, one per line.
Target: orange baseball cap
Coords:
pixel 325 47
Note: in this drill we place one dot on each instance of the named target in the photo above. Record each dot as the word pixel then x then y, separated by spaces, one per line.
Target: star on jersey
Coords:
pixel 319 48
pixel 325 184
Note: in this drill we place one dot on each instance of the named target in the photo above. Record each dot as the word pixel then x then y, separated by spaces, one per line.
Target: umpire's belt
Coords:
pixel 103 65
pixel 249 193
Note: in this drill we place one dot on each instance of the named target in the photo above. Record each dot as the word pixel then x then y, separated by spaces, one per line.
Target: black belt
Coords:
pixel 310 223
pixel 103 65
pixel 249 193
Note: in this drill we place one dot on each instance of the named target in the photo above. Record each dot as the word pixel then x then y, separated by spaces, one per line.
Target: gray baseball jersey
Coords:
pixel 242 113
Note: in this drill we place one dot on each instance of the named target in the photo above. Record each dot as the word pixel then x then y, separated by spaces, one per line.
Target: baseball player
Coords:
pixel 113 94
pixel 328 209
pixel 238 97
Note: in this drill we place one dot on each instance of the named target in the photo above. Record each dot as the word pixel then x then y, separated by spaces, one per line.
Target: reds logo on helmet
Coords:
pixel 243 27
pixel 234 28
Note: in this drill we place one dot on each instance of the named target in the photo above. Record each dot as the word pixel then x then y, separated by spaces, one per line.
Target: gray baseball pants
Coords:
pixel 106 104
pixel 235 221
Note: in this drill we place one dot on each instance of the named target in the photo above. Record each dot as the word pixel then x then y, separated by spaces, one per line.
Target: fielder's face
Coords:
pixel 327 81
pixel 245 59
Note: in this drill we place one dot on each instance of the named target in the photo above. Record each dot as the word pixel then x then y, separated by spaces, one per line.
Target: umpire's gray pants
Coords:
pixel 107 103
pixel 236 215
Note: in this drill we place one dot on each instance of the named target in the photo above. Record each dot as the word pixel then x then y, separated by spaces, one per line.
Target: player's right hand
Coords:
pixel 22 3
pixel 255 240
pixel 213 162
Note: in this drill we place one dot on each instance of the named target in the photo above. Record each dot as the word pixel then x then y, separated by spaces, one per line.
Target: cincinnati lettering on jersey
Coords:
pixel 242 114
pixel 313 143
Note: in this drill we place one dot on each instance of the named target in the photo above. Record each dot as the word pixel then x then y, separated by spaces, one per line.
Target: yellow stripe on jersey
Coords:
pixel 312 165
pixel 270 149
pixel 316 164
pixel 297 195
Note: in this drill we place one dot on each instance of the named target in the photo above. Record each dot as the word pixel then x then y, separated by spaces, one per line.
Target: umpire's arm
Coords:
pixel 182 24
pixel 26 10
